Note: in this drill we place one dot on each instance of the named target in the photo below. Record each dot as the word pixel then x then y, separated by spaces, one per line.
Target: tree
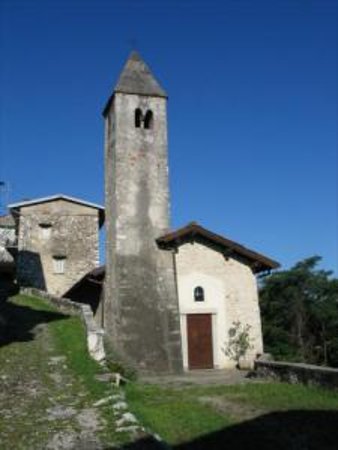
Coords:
pixel 300 314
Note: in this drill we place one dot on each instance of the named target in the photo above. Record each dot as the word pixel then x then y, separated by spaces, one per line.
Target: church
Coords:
pixel 165 298
pixel 170 297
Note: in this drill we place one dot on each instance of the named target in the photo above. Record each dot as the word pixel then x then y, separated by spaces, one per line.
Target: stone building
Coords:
pixel 170 297
pixel 7 243
pixel 7 231
pixel 58 241
pixel 141 305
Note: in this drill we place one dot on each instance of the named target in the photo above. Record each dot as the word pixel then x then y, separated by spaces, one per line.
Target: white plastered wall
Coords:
pixel 230 290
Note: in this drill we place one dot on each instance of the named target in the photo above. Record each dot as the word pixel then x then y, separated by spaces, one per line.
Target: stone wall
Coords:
pixel 94 332
pixel 7 236
pixel 297 373
pixel 230 289
pixel 7 239
pixel 141 305
pixel 53 231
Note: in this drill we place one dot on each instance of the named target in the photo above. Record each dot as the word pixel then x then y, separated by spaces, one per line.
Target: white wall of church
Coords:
pixel 230 290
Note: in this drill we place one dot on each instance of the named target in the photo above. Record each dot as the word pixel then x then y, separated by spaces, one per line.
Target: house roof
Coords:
pixel 51 198
pixel 88 289
pixel 195 232
pixel 136 78
pixel 98 273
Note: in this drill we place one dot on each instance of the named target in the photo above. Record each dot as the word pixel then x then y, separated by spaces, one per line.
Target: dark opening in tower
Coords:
pixel 148 120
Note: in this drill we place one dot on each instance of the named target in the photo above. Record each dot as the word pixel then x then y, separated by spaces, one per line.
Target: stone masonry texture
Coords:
pixel 51 230
pixel 141 305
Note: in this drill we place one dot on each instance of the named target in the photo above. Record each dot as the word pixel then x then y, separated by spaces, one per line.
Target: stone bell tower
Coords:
pixel 141 316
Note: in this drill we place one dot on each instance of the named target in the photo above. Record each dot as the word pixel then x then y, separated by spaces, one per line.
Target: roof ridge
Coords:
pixel 192 229
pixel 55 197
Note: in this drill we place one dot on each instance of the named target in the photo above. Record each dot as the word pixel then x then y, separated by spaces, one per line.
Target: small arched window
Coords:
pixel 148 120
pixel 138 118
pixel 199 294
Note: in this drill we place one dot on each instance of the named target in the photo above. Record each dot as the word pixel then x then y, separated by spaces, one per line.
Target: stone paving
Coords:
pixel 202 377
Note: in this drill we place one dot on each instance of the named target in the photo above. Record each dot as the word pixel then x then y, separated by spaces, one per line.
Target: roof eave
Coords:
pixel 51 198
pixel 259 263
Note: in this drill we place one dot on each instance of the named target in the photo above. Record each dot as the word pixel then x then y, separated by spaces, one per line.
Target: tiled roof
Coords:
pixel 194 232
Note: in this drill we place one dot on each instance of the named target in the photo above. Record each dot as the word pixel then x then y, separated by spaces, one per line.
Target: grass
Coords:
pixel 39 333
pixel 182 414
pixel 175 415
pixel 276 396
pixel 69 339
pixel 179 415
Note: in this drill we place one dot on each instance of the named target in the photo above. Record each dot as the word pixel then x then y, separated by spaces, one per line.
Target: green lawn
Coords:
pixel 184 414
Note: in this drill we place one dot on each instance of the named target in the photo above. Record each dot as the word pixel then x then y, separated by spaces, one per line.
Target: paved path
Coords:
pixel 201 377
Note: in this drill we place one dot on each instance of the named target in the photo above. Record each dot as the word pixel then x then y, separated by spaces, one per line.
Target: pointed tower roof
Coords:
pixel 136 78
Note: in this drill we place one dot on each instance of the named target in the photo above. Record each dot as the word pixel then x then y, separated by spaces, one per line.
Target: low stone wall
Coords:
pixel 297 373
pixel 94 332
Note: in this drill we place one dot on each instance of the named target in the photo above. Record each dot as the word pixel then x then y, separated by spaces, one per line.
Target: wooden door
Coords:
pixel 199 330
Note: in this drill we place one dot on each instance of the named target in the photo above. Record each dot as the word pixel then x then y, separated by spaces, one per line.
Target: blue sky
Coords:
pixel 252 109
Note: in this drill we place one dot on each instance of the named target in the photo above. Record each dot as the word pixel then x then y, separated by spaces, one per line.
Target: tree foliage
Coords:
pixel 300 314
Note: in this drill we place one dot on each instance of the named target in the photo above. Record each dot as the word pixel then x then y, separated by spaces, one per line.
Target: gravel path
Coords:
pixel 42 406
pixel 44 403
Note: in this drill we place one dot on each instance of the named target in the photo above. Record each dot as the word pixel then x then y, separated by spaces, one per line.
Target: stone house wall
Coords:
pixel 7 231
pixel 56 230
pixel 7 236
pixel 231 295
pixel 7 240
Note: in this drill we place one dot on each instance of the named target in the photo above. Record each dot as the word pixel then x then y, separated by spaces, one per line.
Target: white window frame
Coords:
pixel 59 264
pixel 46 230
